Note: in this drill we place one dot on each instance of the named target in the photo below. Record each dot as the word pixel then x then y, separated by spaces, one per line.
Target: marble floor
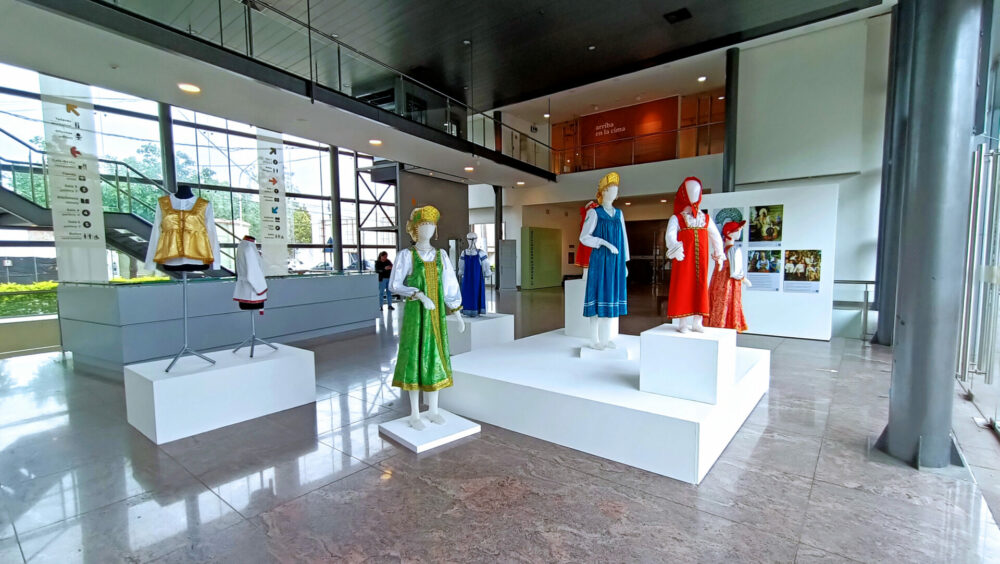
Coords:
pixel 318 483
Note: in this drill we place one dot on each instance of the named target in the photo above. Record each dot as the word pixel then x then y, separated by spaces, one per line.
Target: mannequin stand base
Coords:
pixel 433 435
pixel 618 353
pixel 253 341
pixel 187 351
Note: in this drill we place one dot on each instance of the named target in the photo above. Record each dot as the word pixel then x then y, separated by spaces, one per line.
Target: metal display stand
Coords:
pixel 186 350
pixel 252 340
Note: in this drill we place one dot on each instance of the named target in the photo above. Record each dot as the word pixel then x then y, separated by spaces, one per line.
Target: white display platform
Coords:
pixel 538 386
pixel 575 323
pixel 433 436
pixel 195 397
pixel 482 331
pixel 695 366
pixel 617 353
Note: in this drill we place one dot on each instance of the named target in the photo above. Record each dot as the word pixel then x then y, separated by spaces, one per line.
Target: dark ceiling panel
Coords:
pixel 523 49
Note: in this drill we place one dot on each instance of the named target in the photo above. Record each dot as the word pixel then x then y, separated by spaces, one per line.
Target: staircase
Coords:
pixel 128 216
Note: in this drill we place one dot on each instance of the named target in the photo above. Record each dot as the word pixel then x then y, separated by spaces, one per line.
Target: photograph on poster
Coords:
pixel 802 271
pixel 766 225
pixel 722 215
pixel 764 270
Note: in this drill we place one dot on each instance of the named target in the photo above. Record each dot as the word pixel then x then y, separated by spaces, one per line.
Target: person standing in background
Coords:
pixel 384 267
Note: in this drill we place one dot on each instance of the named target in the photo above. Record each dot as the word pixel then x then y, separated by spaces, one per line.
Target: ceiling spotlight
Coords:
pixel 188 87
pixel 663 201
pixel 596 107
pixel 375 142
pixel 520 183
pixel 430 174
pixel 628 203
pixel 469 169
pixel 702 78
pixel 546 115
pixel 591 47
pixel 722 97
pixel 466 42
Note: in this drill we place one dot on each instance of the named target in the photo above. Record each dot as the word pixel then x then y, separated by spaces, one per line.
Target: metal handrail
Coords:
pixel 308 26
pixel 865 306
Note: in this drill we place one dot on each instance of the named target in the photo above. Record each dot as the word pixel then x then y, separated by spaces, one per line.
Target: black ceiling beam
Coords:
pixel 133 26
pixel 724 41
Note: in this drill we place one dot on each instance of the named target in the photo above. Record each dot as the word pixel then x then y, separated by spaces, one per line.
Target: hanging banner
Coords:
pixel 273 220
pixel 74 179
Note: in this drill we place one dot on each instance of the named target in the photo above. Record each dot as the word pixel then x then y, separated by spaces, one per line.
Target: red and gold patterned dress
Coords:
pixel 726 293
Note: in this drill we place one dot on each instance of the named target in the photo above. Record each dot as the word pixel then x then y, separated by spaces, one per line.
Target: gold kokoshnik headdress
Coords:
pixel 420 216
pixel 609 179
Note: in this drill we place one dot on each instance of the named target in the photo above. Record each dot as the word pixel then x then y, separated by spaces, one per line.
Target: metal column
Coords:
pixel 167 147
pixel 338 236
pixel 938 147
pixel 893 170
pixel 497 231
pixel 732 95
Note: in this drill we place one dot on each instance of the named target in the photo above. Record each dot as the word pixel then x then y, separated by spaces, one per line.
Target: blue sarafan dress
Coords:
pixel 606 293
pixel 473 284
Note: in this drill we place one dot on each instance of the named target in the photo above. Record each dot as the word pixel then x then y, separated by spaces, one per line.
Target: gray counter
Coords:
pixel 107 326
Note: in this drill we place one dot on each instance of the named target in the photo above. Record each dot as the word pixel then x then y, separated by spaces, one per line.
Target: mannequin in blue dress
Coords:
pixel 604 231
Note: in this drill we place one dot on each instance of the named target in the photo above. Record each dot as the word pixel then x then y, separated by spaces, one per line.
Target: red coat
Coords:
pixel 583 252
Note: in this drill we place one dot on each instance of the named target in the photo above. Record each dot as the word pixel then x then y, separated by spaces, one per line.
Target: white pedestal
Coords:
pixel 195 397
pixel 538 386
pixel 618 353
pixel 433 435
pixel 576 324
pixel 692 366
pixel 482 331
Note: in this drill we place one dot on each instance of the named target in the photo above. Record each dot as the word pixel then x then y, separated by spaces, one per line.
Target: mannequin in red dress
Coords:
pixel 691 237
pixel 726 290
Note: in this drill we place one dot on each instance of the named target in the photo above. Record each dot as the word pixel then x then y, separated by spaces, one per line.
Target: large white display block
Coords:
pixel 538 386
pixel 195 397
pixel 575 323
pixel 433 435
pixel 693 366
pixel 482 331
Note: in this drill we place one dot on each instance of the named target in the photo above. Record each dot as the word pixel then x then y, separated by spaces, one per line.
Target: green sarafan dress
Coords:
pixel 424 359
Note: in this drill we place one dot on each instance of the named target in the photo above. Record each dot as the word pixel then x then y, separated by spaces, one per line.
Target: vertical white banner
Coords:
pixel 273 221
pixel 74 180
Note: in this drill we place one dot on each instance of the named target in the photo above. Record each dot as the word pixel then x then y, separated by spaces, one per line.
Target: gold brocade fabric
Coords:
pixel 183 234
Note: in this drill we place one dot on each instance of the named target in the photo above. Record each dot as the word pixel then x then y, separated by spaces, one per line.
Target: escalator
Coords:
pixel 127 217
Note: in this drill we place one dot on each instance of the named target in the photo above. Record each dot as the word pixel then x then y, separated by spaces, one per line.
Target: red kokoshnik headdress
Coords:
pixel 681 201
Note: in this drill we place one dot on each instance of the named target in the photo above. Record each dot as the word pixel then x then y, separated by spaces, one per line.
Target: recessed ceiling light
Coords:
pixel 520 183
pixel 591 47
pixel 375 142
pixel 628 203
pixel 722 97
pixel 188 87
pixel 663 201
pixel 469 169
pixel 702 78
pixel 430 174
pixel 546 115
pixel 466 42
pixel 596 107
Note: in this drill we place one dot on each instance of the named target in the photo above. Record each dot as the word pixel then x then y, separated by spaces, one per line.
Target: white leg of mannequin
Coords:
pixel 415 421
pixel 604 332
pixel 685 325
pixel 585 270
pixel 433 415
pixel 595 338
pixel 699 324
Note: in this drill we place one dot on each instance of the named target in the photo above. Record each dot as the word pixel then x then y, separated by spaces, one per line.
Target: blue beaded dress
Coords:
pixel 606 292
pixel 473 283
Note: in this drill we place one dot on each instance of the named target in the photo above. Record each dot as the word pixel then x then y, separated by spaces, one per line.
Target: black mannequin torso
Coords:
pixel 183 192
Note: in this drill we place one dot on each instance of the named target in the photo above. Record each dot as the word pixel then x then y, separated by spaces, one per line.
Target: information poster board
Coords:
pixel 767 223
pixel 764 270
pixel 274 224
pixel 74 179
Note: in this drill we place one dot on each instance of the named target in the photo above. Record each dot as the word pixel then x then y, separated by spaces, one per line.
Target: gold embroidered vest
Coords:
pixel 183 234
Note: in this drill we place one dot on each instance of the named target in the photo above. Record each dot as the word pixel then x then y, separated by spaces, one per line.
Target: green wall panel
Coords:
pixel 540 257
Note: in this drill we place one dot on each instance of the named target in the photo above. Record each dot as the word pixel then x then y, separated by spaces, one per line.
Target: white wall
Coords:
pixel 852 152
pixel 800 106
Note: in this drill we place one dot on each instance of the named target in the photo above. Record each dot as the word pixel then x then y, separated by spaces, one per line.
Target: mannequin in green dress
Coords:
pixel 426 279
